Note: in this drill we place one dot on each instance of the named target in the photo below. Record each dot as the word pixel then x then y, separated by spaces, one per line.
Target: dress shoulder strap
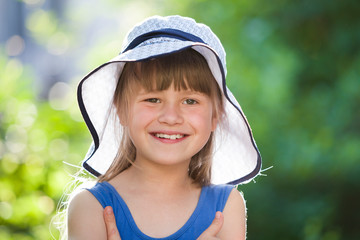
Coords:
pixel 217 195
pixel 104 193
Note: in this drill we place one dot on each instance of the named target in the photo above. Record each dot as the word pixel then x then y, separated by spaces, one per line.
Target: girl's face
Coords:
pixel 168 127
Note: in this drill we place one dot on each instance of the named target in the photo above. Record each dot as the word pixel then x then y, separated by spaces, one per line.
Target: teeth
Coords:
pixel 172 137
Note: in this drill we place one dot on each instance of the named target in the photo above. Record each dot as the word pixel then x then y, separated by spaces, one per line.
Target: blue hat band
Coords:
pixel 166 32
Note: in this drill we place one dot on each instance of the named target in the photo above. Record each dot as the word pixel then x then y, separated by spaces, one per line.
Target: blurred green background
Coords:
pixel 294 65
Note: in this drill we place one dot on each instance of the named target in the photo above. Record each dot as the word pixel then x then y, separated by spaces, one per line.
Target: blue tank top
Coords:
pixel 212 199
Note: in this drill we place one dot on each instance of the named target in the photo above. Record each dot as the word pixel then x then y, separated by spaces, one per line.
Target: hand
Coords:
pixel 111 228
pixel 215 227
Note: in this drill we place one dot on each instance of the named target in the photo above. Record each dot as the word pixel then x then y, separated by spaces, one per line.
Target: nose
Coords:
pixel 170 114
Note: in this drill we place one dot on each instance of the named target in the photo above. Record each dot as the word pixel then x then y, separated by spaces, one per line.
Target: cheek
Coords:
pixel 203 119
pixel 140 115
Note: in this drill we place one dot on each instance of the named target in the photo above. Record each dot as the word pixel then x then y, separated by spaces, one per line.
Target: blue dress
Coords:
pixel 212 199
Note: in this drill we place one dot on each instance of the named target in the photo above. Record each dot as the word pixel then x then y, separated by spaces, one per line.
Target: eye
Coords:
pixel 153 100
pixel 190 101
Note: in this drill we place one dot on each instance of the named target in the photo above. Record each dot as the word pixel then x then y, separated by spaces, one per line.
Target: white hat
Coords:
pixel 236 156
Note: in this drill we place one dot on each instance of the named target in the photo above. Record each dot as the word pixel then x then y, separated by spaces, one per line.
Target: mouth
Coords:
pixel 169 136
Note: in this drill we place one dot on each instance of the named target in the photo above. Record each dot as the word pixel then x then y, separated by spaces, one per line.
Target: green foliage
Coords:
pixel 35 139
pixel 294 67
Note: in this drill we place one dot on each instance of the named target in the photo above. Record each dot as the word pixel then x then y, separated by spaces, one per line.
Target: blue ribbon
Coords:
pixel 166 32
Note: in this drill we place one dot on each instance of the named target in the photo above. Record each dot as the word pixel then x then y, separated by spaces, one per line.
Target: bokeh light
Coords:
pixel 15 46
pixel 59 97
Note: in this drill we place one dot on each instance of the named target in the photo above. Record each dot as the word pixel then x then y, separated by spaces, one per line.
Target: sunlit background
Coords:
pixel 294 65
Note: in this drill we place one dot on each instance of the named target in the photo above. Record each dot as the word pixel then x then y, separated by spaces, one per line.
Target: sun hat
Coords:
pixel 236 157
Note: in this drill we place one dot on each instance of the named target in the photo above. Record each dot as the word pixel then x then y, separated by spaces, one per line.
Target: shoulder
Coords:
pixel 85 217
pixel 234 226
pixel 236 198
pixel 81 201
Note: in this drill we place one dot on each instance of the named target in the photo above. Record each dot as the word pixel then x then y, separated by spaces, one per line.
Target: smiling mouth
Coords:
pixel 169 136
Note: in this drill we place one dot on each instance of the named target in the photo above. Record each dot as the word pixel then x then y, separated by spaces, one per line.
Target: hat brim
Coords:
pixel 236 157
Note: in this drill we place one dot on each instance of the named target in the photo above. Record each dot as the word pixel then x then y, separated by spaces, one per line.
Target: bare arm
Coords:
pixel 85 218
pixel 234 226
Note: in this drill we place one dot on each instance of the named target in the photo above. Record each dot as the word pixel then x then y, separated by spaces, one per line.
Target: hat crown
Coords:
pixel 184 24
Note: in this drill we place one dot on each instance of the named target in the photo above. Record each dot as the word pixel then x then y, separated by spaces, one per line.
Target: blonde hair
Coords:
pixel 183 70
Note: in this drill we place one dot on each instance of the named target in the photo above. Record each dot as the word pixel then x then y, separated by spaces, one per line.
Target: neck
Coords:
pixel 160 178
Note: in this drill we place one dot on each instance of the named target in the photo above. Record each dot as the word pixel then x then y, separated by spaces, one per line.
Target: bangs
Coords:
pixel 184 70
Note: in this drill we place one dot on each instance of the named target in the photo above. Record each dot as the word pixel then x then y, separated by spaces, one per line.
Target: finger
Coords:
pixel 110 222
pixel 216 225
pixel 214 228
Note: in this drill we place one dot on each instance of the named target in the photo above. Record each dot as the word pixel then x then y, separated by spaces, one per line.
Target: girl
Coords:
pixel 167 136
